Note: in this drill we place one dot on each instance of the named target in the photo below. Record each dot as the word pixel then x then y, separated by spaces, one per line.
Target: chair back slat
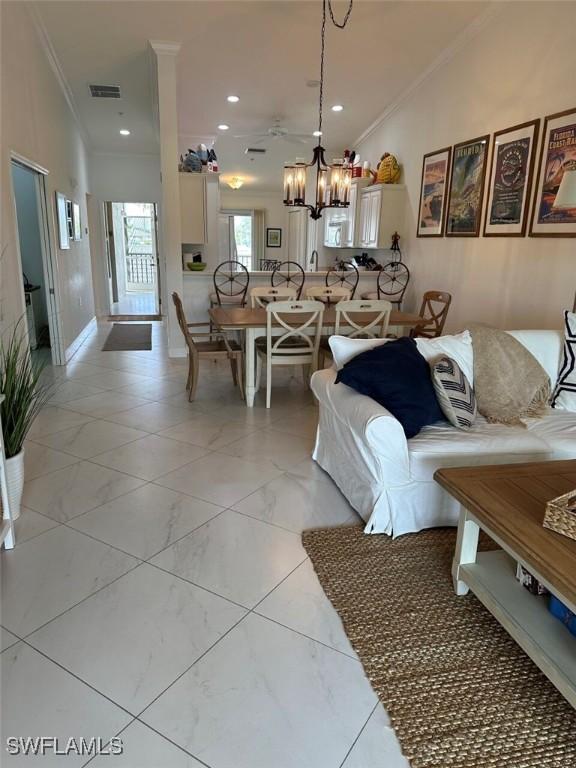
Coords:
pixel 435 306
pixel 289 273
pixel 306 315
pixel 328 295
pixel 350 313
pixel 231 279
pixel 393 281
pixel 346 275
pixel 262 295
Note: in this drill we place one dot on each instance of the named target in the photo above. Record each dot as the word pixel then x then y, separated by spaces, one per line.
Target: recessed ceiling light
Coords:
pixel 337 108
pixel 233 99
pixel 124 132
pixel 223 127
pixel 317 133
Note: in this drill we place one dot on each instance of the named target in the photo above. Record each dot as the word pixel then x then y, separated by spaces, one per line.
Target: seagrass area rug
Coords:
pixel 459 692
pixel 128 337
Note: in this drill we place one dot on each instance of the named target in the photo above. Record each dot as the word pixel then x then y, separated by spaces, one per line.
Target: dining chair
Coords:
pixel 262 295
pixel 391 283
pixel 298 342
pixel 434 310
pixel 218 348
pixel 231 279
pixel 288 273
pixel 346 275
pixel 366 319
pixel 326 295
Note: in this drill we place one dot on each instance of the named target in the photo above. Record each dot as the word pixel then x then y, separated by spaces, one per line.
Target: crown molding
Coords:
pixel 56 68
pixel 165 47
pixel 468 33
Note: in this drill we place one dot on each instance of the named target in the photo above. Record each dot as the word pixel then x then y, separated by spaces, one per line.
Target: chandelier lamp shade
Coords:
pixel 332 182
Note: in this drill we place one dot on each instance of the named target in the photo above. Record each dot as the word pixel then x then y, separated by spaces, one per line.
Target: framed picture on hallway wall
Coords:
pixel 466 193
pixel 552 218
pixel 273 237
pixel 510 180
pixel 62 219
pixel 433 188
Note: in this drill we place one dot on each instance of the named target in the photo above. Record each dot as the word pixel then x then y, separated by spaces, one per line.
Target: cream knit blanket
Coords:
pixel 509 383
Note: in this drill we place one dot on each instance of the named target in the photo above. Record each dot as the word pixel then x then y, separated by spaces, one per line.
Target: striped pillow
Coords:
pixel 565 393
pixel 454 392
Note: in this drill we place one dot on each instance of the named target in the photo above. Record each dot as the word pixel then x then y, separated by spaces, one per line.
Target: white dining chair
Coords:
pixel 349 316
pixel 328 294
pixel 262 295
pixel 299 324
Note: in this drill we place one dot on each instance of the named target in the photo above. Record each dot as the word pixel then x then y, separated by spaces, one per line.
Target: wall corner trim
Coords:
pixel 80 339
pixel 165 47
pixel 468 33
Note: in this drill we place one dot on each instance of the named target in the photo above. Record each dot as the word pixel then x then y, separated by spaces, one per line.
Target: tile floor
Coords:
pixel 135 303
pixel 159 589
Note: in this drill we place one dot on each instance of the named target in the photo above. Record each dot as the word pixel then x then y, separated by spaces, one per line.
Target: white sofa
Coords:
pixel 388 479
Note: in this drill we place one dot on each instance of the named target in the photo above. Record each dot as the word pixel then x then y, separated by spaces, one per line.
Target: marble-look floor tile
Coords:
pixel 105 404
pixel 6 639
pixel 116 379
pixel 147 520
pixel 154 417
pixel 154 626
pixel 77 370
pixel 92 438
pixel 72 491
pixel 41 699
pixel 284 451
pixel 235 556
pixel 299 602
pixel 150 457
pixel 223 480
pixel 377 745
pixel 143 748
pixel 266 696
pixel 296 501
pixel 303 423
pixel 208 431
pixel 31 524
pixel 53 419
pixel 40 460
pixel 72 390
pixel 52 572
pixel 154 389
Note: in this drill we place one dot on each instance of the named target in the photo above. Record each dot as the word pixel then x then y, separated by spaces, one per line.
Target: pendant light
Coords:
pixel 332 187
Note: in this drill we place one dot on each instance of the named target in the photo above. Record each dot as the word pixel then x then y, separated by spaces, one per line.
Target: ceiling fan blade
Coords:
pixel 250 136
pixel 292 138
pixel 305 136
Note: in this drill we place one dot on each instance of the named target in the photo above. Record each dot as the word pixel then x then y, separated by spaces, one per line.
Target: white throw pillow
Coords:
pixel 565 393
pixel 457 347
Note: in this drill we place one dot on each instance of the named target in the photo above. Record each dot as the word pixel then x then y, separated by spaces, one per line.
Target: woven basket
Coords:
pixel 560 515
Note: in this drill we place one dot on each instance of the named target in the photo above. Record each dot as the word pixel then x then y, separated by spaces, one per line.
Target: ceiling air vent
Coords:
pixel 105 91
pixel 254 151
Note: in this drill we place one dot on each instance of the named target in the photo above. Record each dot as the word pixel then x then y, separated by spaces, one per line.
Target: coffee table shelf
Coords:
pixel 525 617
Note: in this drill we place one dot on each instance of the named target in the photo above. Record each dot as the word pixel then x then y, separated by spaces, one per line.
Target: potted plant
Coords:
pixel 25 395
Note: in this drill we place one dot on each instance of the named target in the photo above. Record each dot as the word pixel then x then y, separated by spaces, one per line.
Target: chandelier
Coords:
pixel 332 189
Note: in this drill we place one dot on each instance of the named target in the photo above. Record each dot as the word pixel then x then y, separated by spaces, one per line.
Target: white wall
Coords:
pixel 38 124
pixel 125 178
pixel 519 67
pixel 270 202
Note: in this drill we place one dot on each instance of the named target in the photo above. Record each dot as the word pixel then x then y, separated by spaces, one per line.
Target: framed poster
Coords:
pixel 433 188
pixel 510 180
pixel 76 221
pixel 70 219
pixel 558 154
pixel 62 219
pixel 464 209
pixel 273 237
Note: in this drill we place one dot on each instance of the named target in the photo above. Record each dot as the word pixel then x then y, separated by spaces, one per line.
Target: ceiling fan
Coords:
pixel 275 132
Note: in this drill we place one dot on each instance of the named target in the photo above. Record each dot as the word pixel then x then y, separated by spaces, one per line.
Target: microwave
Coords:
pixel 336 232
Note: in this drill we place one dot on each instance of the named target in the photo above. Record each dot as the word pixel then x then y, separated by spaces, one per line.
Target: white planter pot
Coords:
pixel 15 482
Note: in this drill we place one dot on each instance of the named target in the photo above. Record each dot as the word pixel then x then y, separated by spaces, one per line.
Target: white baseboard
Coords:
pixel 177 352
pixel 80 339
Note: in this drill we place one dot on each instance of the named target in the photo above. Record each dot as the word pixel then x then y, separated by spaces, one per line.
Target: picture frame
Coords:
pixel 433 193
pixel 70 219
pixel 62 221
pixel 510 180
pixel 466 192
pixel 557 154
pixel 77 224
pixel 273 237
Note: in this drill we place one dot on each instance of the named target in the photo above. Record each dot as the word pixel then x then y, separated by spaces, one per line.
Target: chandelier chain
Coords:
pixel 340 25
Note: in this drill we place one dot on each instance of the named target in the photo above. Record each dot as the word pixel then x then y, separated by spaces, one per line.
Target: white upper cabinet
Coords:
pixel 342 225
pixel 382 212
pixel 193 208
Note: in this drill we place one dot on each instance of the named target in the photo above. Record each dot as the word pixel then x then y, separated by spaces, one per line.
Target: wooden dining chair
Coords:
pixel 262 295
pixel 326 295
pixel 213 349
pixel 434 309
pixel 298 342
pixel 360 318
pixel 288 273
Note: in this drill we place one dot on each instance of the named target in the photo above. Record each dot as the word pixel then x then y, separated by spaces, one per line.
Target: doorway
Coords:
pixel 132 260
pixel 38 275
pixel 236 237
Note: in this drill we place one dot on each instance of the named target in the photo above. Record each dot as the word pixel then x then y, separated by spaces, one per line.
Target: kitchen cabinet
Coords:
pixel 342 225
pixel 298 235
pixel 193 208
pixel 382 212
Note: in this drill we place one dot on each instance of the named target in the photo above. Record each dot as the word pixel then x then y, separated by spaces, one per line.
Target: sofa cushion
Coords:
pixel 396 376
pixel 557 428
pixel 454 392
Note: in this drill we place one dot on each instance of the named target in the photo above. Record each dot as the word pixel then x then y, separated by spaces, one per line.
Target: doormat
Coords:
pixel 460 693
pixel 129 337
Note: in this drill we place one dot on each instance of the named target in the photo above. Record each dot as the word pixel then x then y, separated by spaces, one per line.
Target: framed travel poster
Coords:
pixel 433 188
pixel 467 188
pixel 510 180
pixel 558 154
pixel 62 218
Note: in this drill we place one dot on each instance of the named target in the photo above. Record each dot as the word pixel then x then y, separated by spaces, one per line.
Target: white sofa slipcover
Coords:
pixel 388 480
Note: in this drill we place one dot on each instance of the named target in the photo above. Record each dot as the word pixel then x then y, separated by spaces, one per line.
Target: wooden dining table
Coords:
pixel 253 323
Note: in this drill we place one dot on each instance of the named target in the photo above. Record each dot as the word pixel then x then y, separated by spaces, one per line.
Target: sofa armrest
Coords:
pixel 372 425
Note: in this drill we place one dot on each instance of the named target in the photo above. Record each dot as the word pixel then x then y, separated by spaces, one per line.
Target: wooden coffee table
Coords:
pixel 508 503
